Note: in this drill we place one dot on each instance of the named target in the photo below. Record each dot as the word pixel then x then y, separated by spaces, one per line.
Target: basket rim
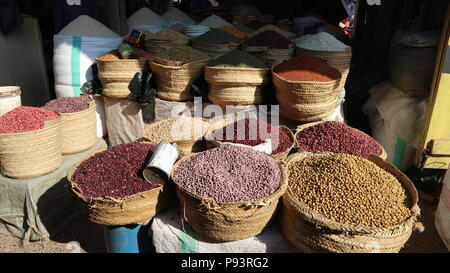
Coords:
pixel 237 68
pixel 319 220
pixel 92 105
pixel 303 82
pixel 302 127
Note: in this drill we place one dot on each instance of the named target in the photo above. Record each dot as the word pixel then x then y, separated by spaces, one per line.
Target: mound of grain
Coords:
pixel 86 26
pixel 215 21
pixel 176 15
pixel 145 16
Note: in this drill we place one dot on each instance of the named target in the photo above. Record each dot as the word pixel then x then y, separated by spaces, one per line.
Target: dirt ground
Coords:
pixel 83 236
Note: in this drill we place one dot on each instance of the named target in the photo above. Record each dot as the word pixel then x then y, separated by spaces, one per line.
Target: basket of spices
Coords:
pixel 186 132
pixel 253 132
pixel 216 42
pixel 345 203
pixel 78 123
pixel 236 78
pixel 30 142
pixel 116 73
pixel 164 39
pixel 270 45
pixel 112 190
pixel 336 137
pixel 228 193
pixel 306 87
pixel 175 69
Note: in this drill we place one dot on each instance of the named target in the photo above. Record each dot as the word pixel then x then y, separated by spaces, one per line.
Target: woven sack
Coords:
pixel 174 82
pixel 302 127
pixel 224 222
pixel 237 76
pixel 311 232
pixel 79 130
pixel 115 75
pixel 185 146
pixel 31 154
pixel 134 209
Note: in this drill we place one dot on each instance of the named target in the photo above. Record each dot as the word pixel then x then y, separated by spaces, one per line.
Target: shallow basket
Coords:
pixel 220 222
pixel 79 130
pixel 32 154
pixel 134 209
pixel 115 75
pixel 302 127
pixel 174 82
pixel 309 231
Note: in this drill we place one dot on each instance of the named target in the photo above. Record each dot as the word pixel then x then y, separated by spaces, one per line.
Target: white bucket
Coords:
pixel 9 98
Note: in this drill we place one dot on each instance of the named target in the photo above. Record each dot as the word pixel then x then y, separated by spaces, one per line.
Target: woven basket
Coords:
pixel 235 95
pixel 174 82
pixel 302 127
pixel 115 75
pixel 186 147
pixel 215 50
pixel 311 232
pixel 79 130
pixel 237 76
pixel 156 46
pixel 31 154
pixel 134 209
pixel 220 222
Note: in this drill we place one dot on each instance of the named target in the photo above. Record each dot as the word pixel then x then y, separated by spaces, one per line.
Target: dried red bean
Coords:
pixel 252 132
pixel 68 105
pixel 229 174
pixel 337 137
pixel 116 172
pixel 25 119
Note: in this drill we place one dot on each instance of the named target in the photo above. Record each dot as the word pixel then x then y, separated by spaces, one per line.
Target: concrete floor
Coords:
pixel 83 236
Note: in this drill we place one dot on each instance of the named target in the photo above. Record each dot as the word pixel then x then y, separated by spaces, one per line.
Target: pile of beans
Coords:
pixel 238 58
pixel 306 68
pixel 115 173
pixel 175 129
pixel 270 39
pixel 68 105
pixel 25 119
pixel 229 174
pixel 349 189
pixel 337 137
pixel 252 132
pixel 182 53
pixel 217 36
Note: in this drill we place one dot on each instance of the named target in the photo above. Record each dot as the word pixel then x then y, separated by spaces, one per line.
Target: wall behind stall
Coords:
pixel 23 62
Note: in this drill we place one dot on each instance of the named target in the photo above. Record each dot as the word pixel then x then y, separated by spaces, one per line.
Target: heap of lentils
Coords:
pixel 115 173
pixel 217 36
pixel 176 129
pixel 270 39
pixel 182 53
pixel 306 68
pixel 229 174
pixel 252 132
pixel 337 137
pixel 349 190
pixel 237 58
pixel 68 104
pixel 25 119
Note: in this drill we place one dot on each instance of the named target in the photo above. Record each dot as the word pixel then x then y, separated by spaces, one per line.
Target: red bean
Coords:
pixel 68 105
pixel 116 172
pixel 337 137
pixel 25 119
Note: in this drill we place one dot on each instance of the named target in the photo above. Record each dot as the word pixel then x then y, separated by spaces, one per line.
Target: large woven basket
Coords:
pixel 215 50
pixel 185 146
pixel 134 209
pixel 79 130
pixel 311 232
pixel 220 222
pixel 115 75
pixel 174 82
pixel 302 127
pixel 235 95
pixel 237 76
pixel 31 154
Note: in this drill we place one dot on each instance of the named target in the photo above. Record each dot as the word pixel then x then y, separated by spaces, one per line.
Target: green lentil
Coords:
pixel 217 36
pixel 238 58
pixel 182 53
pixel 349 189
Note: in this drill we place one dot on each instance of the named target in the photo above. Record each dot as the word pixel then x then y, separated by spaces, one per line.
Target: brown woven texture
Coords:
pixel 219 222
pixel 156 46
pixel 31 154
pixel 134 209
pixel 185 147
pixel 115 75
pixel 235 95
pixel 307 125
pixel 174 82
pixel 237 76
pixel 79 130
pixel 310 231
